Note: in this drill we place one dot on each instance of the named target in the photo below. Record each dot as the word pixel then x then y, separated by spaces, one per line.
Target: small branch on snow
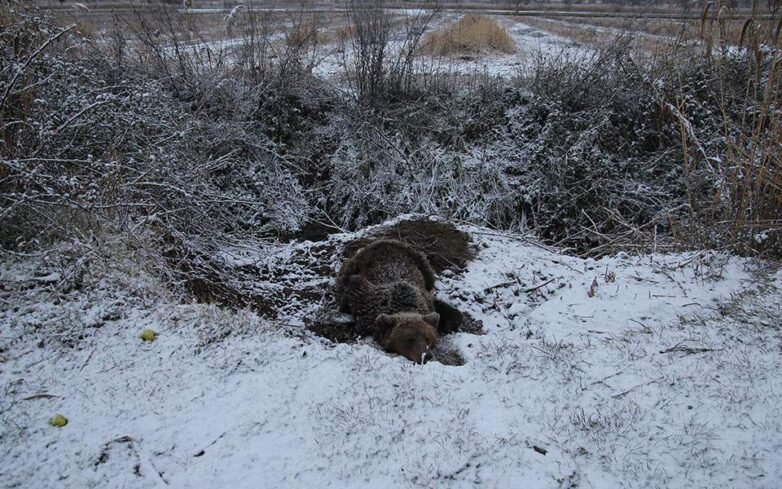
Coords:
pixel 644 279
pixel 602 381
pixel 503 284
pixel 89 357
pixel 620 394
pixel 43 395
pixel 531 289
pixel 688 350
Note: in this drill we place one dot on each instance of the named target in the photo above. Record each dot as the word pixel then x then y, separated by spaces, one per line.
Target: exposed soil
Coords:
pixel 445 353
pixel 311 231
pixel 266 288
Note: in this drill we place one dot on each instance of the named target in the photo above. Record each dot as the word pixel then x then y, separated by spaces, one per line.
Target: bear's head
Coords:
pixel 408 334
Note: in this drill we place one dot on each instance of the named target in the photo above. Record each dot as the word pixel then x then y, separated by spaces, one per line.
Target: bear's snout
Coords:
pixel 418 351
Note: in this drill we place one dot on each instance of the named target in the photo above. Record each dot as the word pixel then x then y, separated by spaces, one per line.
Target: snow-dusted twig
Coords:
pixel 34 55
pixel 79 114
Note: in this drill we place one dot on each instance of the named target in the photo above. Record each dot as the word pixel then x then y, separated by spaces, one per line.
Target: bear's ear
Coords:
pixel 432 318
pixel 384 321
pixel 383 326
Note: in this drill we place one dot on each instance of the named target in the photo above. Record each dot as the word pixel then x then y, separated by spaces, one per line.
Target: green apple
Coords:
pixel 147 335
pixel 58 421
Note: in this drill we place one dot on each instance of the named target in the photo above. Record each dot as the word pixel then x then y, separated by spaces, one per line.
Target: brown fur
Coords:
pixel 388 288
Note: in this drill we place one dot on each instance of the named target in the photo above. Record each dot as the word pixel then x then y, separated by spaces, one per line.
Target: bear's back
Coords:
pixel 388 263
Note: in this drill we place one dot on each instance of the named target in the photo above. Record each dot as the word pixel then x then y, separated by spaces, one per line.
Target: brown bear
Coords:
pixel 388 287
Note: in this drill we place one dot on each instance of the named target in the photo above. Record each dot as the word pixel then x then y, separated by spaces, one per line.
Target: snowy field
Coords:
pixel 629 371
pixel 531 43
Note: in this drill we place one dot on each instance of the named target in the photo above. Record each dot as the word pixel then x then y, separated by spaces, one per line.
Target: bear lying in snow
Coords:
pixel 388 287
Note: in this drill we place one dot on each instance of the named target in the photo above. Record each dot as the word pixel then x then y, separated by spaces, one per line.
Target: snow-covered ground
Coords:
pixel 630 371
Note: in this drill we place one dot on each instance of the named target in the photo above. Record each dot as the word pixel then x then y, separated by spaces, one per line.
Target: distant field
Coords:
pixel 580 23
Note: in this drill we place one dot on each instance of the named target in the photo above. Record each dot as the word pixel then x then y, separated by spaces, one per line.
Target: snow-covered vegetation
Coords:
pixel 595 149
pixel 620 200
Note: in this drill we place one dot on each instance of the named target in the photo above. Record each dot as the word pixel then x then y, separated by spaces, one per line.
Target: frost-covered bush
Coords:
pixel 601 149
pixel 378 177
pixel 631 149
pixel 90 143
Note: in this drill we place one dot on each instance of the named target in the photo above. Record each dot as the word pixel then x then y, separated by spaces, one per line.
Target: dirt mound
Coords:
pixel 292 281
pixel 299 271
pixel 444 245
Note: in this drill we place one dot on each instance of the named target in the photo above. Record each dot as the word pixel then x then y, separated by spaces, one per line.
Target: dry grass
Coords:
pixel 322 30
pixel 317 29
pixel 752 164
pixel 472 34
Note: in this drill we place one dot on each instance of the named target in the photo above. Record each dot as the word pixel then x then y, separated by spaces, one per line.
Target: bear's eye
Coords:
pixel 410 341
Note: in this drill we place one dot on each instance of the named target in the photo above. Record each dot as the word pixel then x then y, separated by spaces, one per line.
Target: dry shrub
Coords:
pixel 377 70
pixel 342 33
pixel 472 34
pixel 621 151
pixel 747 85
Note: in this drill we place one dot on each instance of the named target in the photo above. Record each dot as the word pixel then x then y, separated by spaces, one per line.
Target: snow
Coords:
pixel 668 375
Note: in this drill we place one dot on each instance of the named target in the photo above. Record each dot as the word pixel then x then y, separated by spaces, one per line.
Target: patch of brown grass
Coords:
pixel 472 34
